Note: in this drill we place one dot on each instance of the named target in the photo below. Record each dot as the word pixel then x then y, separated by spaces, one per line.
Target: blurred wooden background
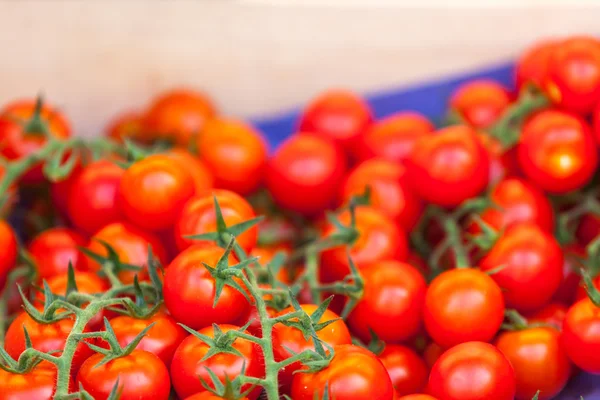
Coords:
pixel 255 57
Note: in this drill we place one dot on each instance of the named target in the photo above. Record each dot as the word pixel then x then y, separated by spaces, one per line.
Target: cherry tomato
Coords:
pixel 392 302
pixel 37 384
pixel 463 305
pixel 177 116
pixel 339 115
pixel 9 246
pixel 480 103
pixel 407 370
pixel 188 364
pixel 557 151
pixel 394 137
pixel 472 371
pixel 539 360
pixel 153 190
pixel 389 188
pixel 305 173
pixel 379 239
pixel 553 314
pixel 201 175
pixel 189 290
pixel 141 376
pixel 235 153
pixel 532 66
pixel 449 167
pixel 532 266
pixel 353 374
pixel 53 249
pixel 581 335
pixel 198 216
pixel 125 126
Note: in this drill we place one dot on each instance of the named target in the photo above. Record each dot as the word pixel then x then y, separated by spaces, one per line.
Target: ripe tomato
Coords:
pixel 339 115
pixel 379 239
pixel 449 167
pixel 37 384
pixel 125 126
pixel 463 305
pixel 9 246
pixel 407 370
pixel 235 153
pixel 153 190
pixel 189 290
pixel 141 376
pixel 287 339
pixel 394 137
pixel 92 202
pixel 581 335
pixel 480 103
pixel 553 314
pixel 353 374
pixel 198 216
pixel 472 371
pixel 532 264
pixel 532 66
pixel 389 188
pixel 53 249
pixel 557 151
pixel 392 302
pixel 573 78
pixel 188 364
pixel 201 175
pixel 161 340
pixel 305 173
pixel 539 360
pixel 177 116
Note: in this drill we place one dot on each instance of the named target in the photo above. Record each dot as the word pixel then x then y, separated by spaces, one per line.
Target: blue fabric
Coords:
pixel 429 99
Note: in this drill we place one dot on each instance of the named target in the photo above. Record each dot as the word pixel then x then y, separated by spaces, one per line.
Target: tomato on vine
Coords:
pixel 127 125
pixel 480 103
pixel 532 66
pixel 407 370
pixel 201 175
pixel 37 384
pixel 581 335
pixel 53 249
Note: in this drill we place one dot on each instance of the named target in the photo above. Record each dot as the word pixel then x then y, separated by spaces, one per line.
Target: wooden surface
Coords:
pixel 256 57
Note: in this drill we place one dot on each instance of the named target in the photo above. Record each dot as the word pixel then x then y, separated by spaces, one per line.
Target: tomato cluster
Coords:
pixel 362 259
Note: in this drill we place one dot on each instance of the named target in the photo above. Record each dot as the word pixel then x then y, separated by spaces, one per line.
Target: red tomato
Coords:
pixel 353 374
pixel 201 175
pixel 141 376
pixel 339 115
pixel 53 249
pixel 177 116
pixel 188 364
pixel 125 126
pixel 581 335
pixel 539 360
pixel 198 216
pixel 9 246
pixel 394 137
pixel 449 167
pixel 463 305
pixel 532 264
pixel 304 174
pixel 532 66
pixel 390 190
pixel 379 239
pixel 37 384
pixel 553 314
pixel 392 302
pixel 557 151
pixel 573 78
pixel 189 290
pixel 235 153
pixel 472 371
pixel 480 103
pixel 407 370
pixel 153 190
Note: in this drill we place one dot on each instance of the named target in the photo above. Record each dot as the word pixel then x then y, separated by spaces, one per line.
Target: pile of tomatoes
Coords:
pixel 181 258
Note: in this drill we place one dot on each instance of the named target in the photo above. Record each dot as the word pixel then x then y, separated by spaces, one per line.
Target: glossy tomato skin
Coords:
pixel 127 125
pixel 201 175
pixel 153 190
pixel 532 66
pixel 235 153
pixel 141 376
pixel 379 239
pixel 189 290
pixel 463 305
pixel 392 303
pixel 539 360
pixel 557 151
pixel 393 138
pixel 449 167
pixel 198 216
pixel 532 264
pixel 581 335
pixel 304 174
pixel 53 249
pixel 188 365
pixel 407 370
pixel 353 374
pixel 480 103
pixel 37 384
pixel 9 246
pixel 490 374
pixel 390 190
